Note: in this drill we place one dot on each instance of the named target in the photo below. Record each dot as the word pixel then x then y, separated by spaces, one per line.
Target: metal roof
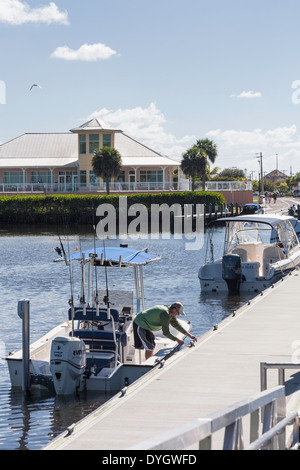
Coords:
pixel 148 161
pixel 35 150
pixel 40 150
pixel 94 125
pixel 136 154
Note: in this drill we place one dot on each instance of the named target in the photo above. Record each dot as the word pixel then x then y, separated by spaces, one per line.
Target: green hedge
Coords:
pixel 81 209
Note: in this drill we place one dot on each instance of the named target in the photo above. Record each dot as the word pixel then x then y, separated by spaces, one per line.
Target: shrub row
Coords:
pixel 73 209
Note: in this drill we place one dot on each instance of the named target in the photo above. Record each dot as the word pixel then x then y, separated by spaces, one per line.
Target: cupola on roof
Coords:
pixel 95 125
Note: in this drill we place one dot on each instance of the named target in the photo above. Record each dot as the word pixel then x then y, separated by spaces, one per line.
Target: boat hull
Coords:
pixel 39 364
pixel 211 280
pixel 219 285
pixel 107 380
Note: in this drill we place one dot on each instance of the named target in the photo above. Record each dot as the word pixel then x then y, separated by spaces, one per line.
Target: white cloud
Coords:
pixel 248 94
pixel 17 12
pixel 87 52
pixel 147 126
pixel 240 148
pixel 255 139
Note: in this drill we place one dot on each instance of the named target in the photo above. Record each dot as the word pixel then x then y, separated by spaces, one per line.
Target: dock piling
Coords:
pixel 23 312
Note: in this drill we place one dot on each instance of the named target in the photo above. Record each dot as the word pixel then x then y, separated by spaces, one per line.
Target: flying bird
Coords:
pixel 35 84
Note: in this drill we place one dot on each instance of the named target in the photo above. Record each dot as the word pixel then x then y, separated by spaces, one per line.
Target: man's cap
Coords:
pixel 179 307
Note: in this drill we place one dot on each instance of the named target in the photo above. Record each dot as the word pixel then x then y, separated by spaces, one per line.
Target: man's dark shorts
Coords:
pixel 143 339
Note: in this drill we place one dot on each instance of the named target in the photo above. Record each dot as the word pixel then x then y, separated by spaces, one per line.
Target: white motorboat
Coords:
pixel 93 349
pixel 258 251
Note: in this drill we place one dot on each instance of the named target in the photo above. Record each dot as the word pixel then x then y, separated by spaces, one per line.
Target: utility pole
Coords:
pixel 261 174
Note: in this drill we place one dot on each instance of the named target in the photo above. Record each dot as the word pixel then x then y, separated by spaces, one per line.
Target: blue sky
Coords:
pixel 167 72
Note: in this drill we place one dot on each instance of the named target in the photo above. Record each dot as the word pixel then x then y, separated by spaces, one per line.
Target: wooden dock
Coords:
pixel 223 368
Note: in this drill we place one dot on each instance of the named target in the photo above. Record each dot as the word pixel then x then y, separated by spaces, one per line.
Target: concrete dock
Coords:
pixel 222 369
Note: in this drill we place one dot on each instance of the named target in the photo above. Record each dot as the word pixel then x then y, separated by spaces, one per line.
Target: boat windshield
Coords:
pixel 239 232
pixel 249 232
pixel 288 235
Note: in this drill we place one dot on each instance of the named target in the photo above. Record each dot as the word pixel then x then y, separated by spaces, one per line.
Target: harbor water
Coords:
pixel 27 271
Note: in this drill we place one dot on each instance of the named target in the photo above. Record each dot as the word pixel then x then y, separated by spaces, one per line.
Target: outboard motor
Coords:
pixel 67 364
pixel 232 272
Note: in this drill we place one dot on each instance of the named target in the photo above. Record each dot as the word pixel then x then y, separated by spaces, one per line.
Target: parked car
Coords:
pixel 252 209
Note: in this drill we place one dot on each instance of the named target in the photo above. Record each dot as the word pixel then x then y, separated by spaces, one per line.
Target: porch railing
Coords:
pixel 78 188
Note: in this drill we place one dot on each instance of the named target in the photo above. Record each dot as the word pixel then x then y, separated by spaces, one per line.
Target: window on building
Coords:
pixel 82 143
pixel 154 177
pixel 69 180
pixel 13 177
pixel 93 179
pixel 93 143
pixel 106 140
pixel 121 177
pixel 40 177
pixel 82 178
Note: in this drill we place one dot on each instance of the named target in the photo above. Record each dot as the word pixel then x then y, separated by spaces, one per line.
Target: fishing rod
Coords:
pixel 61 251
pixel 94 257
pixel 106 297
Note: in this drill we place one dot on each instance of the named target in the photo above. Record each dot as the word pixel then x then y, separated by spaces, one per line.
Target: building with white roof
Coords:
pixel 63 161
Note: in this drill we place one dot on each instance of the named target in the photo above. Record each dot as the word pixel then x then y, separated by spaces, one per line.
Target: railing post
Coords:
pixel 280 414
pixel 281 377
pixel 263 377
pixel 205 444
pixel 233 438
pixel 254 425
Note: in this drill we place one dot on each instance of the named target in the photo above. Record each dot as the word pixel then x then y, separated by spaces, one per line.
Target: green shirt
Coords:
pixel 158 318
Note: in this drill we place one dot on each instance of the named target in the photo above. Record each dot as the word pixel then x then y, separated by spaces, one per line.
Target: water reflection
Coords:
pixel 33 419
pixel 219 306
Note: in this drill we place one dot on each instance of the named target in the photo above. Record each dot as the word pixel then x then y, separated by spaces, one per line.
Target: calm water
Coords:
pixel 27 271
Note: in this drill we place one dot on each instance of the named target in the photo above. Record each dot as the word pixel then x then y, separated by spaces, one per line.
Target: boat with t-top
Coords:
pixel 93 349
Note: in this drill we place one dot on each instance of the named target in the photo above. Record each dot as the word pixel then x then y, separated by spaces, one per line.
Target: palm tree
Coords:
pixel 193 164
pixel 210 172
pixel 107 163
pixel 208 149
